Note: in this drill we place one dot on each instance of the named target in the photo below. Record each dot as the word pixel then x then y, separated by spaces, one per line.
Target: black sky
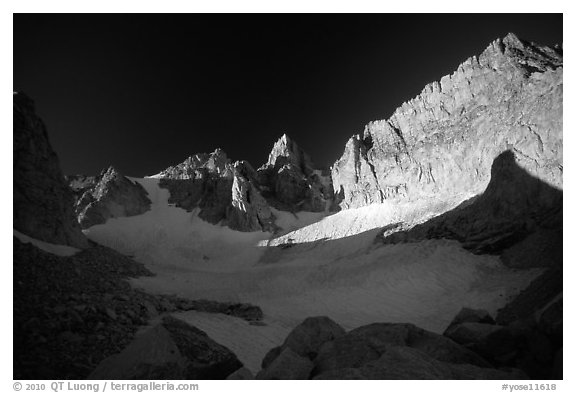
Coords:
pixel 142 92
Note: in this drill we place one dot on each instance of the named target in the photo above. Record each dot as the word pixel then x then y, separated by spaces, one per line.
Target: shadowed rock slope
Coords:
pixel 107 196
pixel 43 205
pixel 440 145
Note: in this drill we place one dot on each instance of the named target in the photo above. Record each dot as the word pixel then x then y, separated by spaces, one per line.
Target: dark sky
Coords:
pixel 142 92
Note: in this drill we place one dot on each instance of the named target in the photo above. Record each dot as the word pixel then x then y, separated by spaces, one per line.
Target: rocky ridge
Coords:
pixel 290 179
pixel 107 196
pixel 43 205
pixel 441 144
pixel 234 194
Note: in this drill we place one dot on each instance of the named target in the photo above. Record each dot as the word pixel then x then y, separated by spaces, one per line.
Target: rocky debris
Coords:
pixel 170 350
pixel 290 180
pixel 106 196
pixel 43 203
pixel 440 145
pixel 287 365
pixel 248 312
pixel 72 312
pixel 376 351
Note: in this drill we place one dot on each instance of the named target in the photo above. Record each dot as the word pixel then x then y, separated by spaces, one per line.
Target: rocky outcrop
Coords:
pixel 291 181
pixel 307 338
pixel 320 349
pixel 106 196
pixel 43 204
pixel 441 144
pixel 514 206
pixel 224 192
pixel 529 344
pixel 72 312
pixel 248 211
pixel 236 195
pixel 170 350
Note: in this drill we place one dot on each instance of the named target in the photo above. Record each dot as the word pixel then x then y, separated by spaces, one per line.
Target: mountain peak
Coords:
pixel 217 162
pixel 289 150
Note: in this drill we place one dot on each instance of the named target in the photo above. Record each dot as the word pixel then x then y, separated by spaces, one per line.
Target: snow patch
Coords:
pixel 55 249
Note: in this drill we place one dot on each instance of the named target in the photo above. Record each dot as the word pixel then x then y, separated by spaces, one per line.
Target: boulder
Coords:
pixel 469 333
pixel 43 204
pixel 307 338
pixel 519 345
pixel 287 365
pixel 472 315
pixel 551 321
pixel 382 335
pixel 270 356
pixel 241 373
pixel 345 352
pixel 170 350
pixel 409 363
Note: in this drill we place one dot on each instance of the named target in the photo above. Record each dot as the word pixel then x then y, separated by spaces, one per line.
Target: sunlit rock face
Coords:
pixel 290 180
pixel 224 192
pixel 441 145
pixel 108 195
pixel 43 203
pixel 248 210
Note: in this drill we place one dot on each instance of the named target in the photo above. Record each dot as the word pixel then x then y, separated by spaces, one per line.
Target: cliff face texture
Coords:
pixel 441 145
pixel 43 203
pixel 224 192
pixel 107 196
pixel 290 180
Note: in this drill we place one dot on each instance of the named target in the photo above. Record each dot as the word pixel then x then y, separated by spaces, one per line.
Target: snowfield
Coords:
pixel 55 249
pixel 320 265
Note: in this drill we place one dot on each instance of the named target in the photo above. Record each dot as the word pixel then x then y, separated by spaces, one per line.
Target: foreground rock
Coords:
pixel 72 312
pixel 529 344
pixel 246 311
pixel 410 363
pixel 108 195
pixel 43 203
pixel 307 338
pixel 320 349
pixel 287 365
pixel 170 350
